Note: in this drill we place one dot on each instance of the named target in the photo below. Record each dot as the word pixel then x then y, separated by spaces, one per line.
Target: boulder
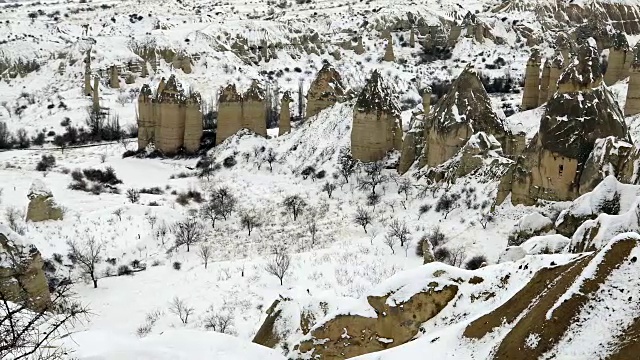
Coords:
pixel 605 159
pixel 528 226
pixel 22 279
pixel 42 206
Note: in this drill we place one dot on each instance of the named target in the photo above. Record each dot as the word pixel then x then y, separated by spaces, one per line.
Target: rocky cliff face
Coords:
pixel 579 113
pixel 241 111
pixel 377 126
pixel 21 276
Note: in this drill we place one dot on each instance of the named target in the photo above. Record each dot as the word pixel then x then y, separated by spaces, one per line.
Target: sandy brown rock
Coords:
pixel 114 80
pixel 285 114
pixel 531 81
pixel 377 126
pixel 325 90
pixel 22 280
pixel 617 56
pixel 42 206
pixel 632 106
pixel 347 336
pixel 578 114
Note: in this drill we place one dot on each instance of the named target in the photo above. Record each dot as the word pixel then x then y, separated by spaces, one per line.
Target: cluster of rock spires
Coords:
pixel 171 119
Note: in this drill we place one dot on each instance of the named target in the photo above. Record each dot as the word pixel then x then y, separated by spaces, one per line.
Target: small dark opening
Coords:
pixel 560 169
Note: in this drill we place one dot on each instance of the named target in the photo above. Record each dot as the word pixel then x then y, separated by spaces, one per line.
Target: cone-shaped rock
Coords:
pixel 285 114
pixel 229 113
pixel 530 96
pixel 463 111
pixel 325 90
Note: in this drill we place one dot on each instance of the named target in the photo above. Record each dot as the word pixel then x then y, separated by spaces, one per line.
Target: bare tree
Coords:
pixel 152 219
pixel 312 226
pixel 405 187
pixel 204 253
pixel 400 231
pixel 372 235
pixel 329 188
pixel 219 321
pixel 362 217
pixel 249 221
pixel 390 241
pixel 188 232
pixel 118 212
pixel 295 204
pixel 347 164
pixel 181 309
pixel 28 332
pixel 14 217
pixel 424 208
pixel 373 176
pixel 447 203
pixel 87 256
pixel 279 264
pixel 485 219
pixel 270 158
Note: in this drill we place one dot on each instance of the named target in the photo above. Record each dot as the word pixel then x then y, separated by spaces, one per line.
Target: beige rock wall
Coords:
pixel 254 115
pixel 95 93
pixel 171 135
pixel 554 76
pixel 615 69
pixel 229 113
pixel 388 51
pixel 374 134
pixel 632 106
pixel 114 81
pixel 146 119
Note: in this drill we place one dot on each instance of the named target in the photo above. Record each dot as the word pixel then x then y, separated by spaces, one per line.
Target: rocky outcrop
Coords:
pixel 325 90
pixel 42 206
pixel 579 113
pixel 528 226
pixel 632 106
pixel 606 158
pixel 182 62
pixel 617 57
pixel 22 279
pixel 530 95
pixel 377 126
pixel 241 111
pixel 557 65
pixel 95 94
pixel 560 303
pixel 465 109
pixel 414 138
pixel 545 79
pixel 172 120
pixel 285 114
pixel 481 156
pixel 394 321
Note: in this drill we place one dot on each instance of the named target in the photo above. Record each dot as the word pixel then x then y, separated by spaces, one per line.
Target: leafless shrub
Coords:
pixel 181 309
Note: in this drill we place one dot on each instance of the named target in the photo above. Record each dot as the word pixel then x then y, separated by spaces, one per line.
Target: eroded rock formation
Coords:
pixel 172 120
pixel 377 126
pixel 325 90
pixel 285 114
pixel 42 206
pixel 21 276
pixel 241 111
pixel 581 111
pixel 531 81
pixel 395 322
pixel 617 57
pixel 114 80
pixel 632 106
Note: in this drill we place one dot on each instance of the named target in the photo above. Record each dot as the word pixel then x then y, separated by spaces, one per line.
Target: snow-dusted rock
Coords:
pixel 528 226
pixel 512 253
pixel 42 206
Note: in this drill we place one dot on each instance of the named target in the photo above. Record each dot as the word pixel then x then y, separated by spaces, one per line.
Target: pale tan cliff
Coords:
pixel 325 90
pixel 377 126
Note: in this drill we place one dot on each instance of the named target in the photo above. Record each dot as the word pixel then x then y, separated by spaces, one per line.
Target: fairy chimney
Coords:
pixel 192 123
pixel 229 113
pixel 377 125
pixel 114 81
pixel 146 120
pixel 170 137
pixel 359 48
pixel 531 81
pixel 426 100
pixel 617 55
pixel 388 51
pixel 632 106
pixel 579 113
pixel 254 109
pixel 144 71
pixel 285 115
pixel 544 82
pixel 557 64
pixel 96 93
pixel 325 90
pixel 87 74
pixel 412 38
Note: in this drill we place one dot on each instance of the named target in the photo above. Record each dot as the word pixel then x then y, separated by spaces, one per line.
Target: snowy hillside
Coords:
pixel 284 246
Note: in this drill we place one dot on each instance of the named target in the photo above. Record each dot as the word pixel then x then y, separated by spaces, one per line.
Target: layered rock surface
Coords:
pixel 42 205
